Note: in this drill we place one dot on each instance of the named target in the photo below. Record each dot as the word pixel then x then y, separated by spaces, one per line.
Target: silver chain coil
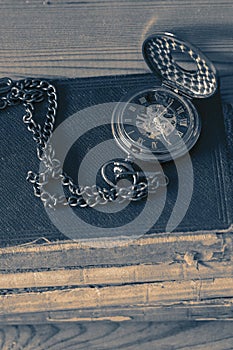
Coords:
pixel 29 91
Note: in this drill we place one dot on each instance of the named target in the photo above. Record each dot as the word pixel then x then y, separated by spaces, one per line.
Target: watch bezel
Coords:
pixel 132 148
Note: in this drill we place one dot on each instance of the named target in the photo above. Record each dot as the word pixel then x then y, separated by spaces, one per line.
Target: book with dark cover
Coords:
pixel 23 217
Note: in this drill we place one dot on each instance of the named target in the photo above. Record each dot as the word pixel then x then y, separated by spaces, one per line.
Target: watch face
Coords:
pixel 157 124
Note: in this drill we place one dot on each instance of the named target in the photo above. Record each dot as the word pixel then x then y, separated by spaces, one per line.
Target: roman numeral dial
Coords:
pixel 155 122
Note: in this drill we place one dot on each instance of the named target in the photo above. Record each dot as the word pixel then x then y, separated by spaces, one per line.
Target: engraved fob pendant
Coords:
pixel 160 122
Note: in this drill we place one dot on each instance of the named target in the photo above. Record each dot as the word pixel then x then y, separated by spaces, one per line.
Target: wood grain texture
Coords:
pixel 89 38
pixel 116 336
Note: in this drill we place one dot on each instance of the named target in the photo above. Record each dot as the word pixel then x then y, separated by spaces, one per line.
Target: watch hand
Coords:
pixel 165 110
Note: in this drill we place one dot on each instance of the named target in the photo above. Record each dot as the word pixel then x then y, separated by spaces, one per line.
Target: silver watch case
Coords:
pixel 158 50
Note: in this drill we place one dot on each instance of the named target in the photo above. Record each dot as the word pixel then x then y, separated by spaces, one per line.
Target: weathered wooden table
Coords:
pixel 158 278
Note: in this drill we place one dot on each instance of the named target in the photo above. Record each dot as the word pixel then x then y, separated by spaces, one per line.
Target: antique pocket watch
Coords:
pixel 161 122
pixel 156 123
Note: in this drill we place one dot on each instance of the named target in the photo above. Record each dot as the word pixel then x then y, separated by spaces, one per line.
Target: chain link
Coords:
pixel 30 91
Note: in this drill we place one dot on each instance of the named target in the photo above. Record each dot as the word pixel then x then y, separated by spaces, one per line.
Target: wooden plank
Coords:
pixel 89 38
